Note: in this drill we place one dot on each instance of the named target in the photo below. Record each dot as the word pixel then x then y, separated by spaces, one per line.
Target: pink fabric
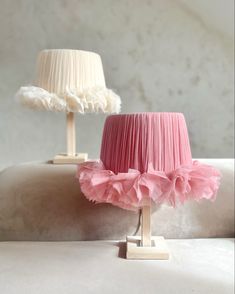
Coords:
pixel 146 156
pixel 137 140
pixel 133 189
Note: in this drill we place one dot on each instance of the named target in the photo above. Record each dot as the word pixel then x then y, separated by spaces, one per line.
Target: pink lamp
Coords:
pixel 146 159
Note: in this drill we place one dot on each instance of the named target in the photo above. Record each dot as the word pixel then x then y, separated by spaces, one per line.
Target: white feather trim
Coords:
pixel 96 99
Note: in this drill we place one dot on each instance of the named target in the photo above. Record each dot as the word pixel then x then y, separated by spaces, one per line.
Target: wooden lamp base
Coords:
pixel 146 246
pixel 157 250
pixel 64 158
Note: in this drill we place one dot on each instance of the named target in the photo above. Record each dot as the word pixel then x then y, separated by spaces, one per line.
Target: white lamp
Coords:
pixel 70 81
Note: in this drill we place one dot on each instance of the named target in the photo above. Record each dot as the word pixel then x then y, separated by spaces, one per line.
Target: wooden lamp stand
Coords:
pixel 71 156
pixel 146 246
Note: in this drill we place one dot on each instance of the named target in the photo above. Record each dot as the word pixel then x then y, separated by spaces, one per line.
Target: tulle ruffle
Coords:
pixel 95 99
pixel 132 190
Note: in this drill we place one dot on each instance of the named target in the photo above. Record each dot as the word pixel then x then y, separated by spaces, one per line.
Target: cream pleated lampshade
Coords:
pixel 71 81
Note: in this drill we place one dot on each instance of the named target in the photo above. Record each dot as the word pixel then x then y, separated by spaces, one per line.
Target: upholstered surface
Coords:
pixel 200 266
pixel 40 201
pixel 44 202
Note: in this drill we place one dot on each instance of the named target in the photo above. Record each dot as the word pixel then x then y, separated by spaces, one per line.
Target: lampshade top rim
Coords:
pixel 68 50
pixel 147 113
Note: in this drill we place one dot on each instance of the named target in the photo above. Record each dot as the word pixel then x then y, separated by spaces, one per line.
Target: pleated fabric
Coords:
pixel 70 81
pixel 146 156
pixel 137 140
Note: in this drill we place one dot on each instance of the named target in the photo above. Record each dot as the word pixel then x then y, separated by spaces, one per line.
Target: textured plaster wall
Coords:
pixel 158 55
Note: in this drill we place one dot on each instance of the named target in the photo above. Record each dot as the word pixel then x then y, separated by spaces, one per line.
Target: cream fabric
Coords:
pixel 71 81
pixel 61 69
pixel 40 201
pixel 200 266
pixel 95 99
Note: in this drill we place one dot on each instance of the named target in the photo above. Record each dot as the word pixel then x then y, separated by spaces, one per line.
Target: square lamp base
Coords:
pixel 70 159
pixel 158 250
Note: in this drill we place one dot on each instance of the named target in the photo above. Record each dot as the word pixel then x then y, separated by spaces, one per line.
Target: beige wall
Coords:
pixel 158 55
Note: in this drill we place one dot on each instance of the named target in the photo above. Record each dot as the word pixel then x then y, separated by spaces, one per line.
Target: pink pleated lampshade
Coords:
pixel 138 140
pixel 146 156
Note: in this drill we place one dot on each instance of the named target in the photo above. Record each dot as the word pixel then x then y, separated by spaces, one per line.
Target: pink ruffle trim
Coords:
pixel 132 190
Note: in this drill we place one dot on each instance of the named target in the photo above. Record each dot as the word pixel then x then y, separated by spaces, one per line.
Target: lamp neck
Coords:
pixel 71 136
